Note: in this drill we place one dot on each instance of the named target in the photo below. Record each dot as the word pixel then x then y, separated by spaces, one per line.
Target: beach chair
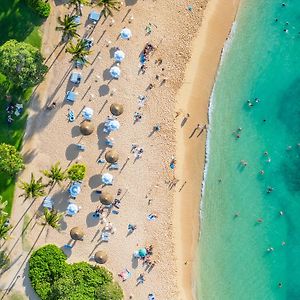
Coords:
pixel 81 147
pixel 71 96
pixel 48 203
pixel 114 166
pixel 109 142
pixel 105 236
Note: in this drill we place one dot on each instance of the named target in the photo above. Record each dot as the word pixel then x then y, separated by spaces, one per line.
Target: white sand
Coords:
pixel 50 138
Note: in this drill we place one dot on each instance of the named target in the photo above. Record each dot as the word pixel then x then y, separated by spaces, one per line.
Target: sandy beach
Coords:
pixel 50 138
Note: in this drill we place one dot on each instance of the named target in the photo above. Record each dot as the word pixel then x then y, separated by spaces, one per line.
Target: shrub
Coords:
pixel 41 7
pixel 53 278
pixel 11 161
pixel 76 172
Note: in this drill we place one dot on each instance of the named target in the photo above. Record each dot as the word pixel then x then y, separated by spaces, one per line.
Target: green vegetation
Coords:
pixel 108 6
pixel 33 189
pixel 22 64
pixel 4 260
pixel 68 27
pixel 79 51
pixel 52 218
pixel 11 161
pixel 76 172
pixel 55 174
pixel 19 22
pixel 40 7
pixel 77 5
pixel 52 278
pixel 4 225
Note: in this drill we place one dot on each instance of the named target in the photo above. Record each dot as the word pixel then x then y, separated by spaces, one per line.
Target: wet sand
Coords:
pixel 193 98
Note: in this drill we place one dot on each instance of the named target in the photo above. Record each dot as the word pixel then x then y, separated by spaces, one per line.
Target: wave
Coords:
pixel 211 107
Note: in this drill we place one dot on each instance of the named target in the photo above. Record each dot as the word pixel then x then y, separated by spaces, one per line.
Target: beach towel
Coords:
pixel 125 275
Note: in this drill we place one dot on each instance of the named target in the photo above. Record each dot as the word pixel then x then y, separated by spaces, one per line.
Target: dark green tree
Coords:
pixel 78 4
pixel 11 161
pixel 22 64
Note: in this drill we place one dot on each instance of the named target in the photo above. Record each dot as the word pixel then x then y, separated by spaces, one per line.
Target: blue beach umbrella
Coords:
pixel 74 190
pixel 119 56
pixel 115 72
pixel 107 178
pixel 142 252
pixel 126 34
pixel 72 209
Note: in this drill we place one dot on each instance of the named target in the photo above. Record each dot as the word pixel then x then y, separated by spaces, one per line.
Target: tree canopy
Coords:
pixel 76 172
pixel 53 278
pixel 22 64
pixel 11 161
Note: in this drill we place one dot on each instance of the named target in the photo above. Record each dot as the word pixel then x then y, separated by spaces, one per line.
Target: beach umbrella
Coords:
pixel 142 252
pixel 106 198
pixel 74 189
pixel 107 178
pixel 112 125
pixel 119 56
pixel 115 72
pixel 111 156
pixel 101 257
pixel 87 113
pixel 76 233
pixel 87 127
pixel 72 209
pixel 126 34
pixel 116 109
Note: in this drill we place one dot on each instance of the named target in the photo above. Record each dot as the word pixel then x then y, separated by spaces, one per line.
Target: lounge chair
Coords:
pixel 71 96
pixel 105 236
pixel 48 203
pixel 114 166
pixel 81 147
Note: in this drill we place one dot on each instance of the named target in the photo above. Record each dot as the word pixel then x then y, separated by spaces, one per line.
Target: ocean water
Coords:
pixel 261 61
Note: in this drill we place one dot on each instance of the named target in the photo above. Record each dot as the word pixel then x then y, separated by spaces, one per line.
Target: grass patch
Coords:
pixel 19 22
pixel 25 242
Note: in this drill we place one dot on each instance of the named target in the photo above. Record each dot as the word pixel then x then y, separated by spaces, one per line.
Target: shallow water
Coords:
pixel 262 62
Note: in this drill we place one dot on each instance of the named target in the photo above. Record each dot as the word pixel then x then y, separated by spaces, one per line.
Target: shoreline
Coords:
pixel 202 68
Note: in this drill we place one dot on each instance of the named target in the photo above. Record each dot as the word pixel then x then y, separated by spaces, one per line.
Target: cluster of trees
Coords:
pixel 56 175
pixel 41 7
pixel 22 64
pixel 68 27
pixel 53 278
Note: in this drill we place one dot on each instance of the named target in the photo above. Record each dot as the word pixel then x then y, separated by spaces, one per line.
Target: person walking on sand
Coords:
pixel 195 129
pixel 204 127
pixel 185 119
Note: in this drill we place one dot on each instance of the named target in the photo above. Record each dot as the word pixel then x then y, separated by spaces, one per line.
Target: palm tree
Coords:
pixel 33 189
pixel 4 227
pixel 79 51
pixel 68 26
pixel 108 6
pixel 55 174
pixel 52 218
pixel 78 4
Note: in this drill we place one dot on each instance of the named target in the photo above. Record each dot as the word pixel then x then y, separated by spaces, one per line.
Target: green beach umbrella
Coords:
pixel 142 252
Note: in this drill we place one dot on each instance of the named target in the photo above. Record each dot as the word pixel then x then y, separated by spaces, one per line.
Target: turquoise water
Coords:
pixel 261 62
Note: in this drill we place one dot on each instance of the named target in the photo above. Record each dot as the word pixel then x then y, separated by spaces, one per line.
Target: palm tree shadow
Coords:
pixel 130 2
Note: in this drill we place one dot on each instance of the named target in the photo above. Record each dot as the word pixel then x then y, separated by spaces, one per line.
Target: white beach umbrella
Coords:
pixel 107 178
pixel 87 113
pixel 115 72
pixel 113 125
pixel 119 56
pixel 72 209
pixel 126 34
